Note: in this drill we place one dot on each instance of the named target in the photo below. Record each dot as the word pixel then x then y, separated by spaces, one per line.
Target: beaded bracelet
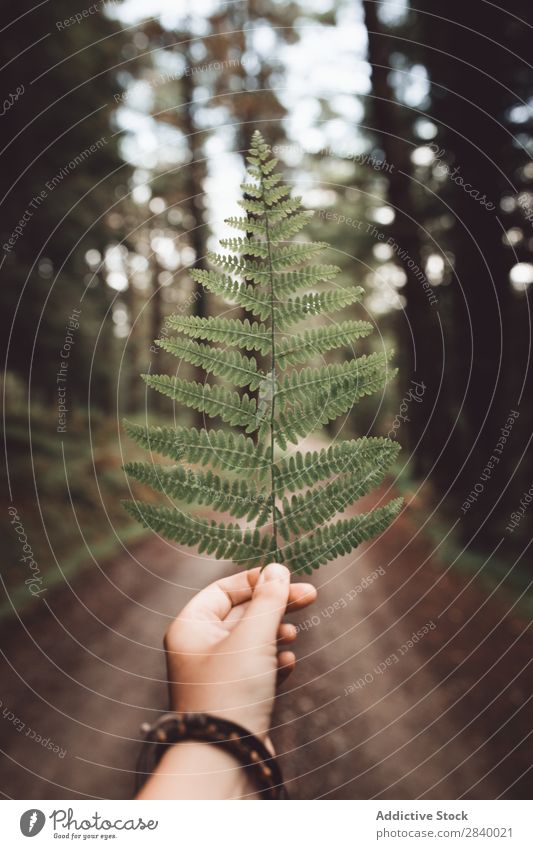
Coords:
pixel 262 768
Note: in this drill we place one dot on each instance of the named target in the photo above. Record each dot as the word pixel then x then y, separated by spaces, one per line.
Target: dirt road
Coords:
pixel 371 711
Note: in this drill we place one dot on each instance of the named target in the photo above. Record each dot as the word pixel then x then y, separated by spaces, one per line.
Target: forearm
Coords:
pixel 195 770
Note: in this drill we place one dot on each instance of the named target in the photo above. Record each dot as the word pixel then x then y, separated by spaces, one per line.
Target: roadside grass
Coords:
pixel 66 489
pixel 492 573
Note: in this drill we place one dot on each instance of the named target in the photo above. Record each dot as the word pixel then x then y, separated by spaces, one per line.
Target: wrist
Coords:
pixel 192 769
pixel 255 718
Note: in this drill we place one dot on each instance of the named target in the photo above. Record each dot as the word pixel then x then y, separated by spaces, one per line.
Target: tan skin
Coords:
pixel 224 657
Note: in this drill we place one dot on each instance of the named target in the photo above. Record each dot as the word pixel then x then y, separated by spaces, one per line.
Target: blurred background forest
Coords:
pixel 123 142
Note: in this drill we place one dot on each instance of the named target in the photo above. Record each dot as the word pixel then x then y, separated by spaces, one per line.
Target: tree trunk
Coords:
pixel 420 345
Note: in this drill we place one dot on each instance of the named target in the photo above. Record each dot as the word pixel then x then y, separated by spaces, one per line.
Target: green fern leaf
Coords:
pixel 234 291
pixel 311 383
pixel 290 502
pixel 284 283
pixel 275 194
pixel 226 542
pixel 211 400
pixel 297 309
pixel 245 246
pixel 216 448
pixel 231 331
pixel 316 506
pixel 353 455
pixel 287 256
pixel 325 544
pixel 247 225
pixel 239 370
pixel 287 228
pixel 299 348
pixel 235 497
pixel 301 419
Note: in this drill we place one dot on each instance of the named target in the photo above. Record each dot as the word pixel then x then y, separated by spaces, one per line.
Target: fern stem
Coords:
pixel 273 379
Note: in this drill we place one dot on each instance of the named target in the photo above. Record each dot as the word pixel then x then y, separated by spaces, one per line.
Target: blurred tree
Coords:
pixel 480 83
pixel 176 181
pixel 61 171
pixel 418 328
pixel 460 187
pixel 247 41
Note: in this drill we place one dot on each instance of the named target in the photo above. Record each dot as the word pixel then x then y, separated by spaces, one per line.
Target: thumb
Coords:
pixel 260 623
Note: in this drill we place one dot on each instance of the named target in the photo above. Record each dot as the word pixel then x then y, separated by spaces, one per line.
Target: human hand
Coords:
pixel 222 650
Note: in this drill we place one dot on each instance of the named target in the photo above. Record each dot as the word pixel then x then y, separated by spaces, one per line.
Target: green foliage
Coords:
pixel 287 497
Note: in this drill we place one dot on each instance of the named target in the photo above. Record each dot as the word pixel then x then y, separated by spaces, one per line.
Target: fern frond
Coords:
pixel 243 267
pixel 289 226
pixel 284 283
pixel 252 189
pixel 301 419
pixel 297 309
pixel 251 205
pixel 297 349
pixel 211 400
pixel 273 194
pixel 286 256
pixel 266 168
pixel 247 225
pixel 335 540
pixel 245 246
pixel 226 542
pixel 234 291
pixel 348 456
pixel 239 370
pixel 277 281
pixel 316 506
pixel 221 450
pixel 306 383
pixel 231 331
pixel 283 209
pixel 234 497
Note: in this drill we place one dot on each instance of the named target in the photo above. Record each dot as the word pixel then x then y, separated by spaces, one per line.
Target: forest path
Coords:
pixel 446 717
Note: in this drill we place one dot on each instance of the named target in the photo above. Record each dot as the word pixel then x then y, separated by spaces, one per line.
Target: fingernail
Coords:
pixel 275 572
